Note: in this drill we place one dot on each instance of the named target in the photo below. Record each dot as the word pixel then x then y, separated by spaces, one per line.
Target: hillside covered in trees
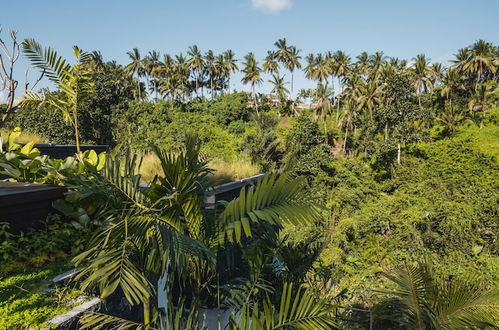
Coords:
pixel 400 156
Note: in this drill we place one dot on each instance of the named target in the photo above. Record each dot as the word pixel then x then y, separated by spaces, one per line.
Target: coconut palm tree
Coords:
pixel 151 62
pixel 293 62
pixel 196 64
pixel 461 59
pixel 485 96
pixel 74 83
pixel 341 69
pixel 279 87
pixel 252 75
pixel 322 99
pixel 451 81
pixel 230 64
pixel 482 60
pixel 370 95
pixel 362 63
pixel 422 74
pixel 136 67
pixel 211 70
pixel 270 65
pixel 420 301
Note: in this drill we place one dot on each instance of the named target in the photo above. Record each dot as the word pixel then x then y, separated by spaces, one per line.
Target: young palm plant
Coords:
pixel 420 301
pixel 156 239
pixel 73 82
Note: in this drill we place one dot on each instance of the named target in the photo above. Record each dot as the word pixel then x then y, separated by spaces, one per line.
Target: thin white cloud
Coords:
pixel 271 6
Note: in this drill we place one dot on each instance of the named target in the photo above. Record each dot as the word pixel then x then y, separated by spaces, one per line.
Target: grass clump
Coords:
pixel 224 171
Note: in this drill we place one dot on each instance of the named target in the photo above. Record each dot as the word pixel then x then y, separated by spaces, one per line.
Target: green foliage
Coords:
pixel 56 241
pixel 441 203
pixel 25 301
pixel 419 301
pixel 26 164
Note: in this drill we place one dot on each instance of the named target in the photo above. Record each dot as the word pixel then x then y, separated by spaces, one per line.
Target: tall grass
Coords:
pixel 225 171
pixel 25 137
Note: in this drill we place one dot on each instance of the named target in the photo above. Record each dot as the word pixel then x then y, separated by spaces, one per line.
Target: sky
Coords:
pixel 400 28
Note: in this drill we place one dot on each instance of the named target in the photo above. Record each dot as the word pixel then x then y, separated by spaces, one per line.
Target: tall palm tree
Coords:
pixel 270 65
pixel 341 68
pixel 482 59
pixel 461 59
pixel 135 67
pixel 451 81
pixel 279 87
pixel 370 96
pixel 288 56
pixel 252 75
pixel 362 63
pixel 322 99
pixel 292 62
pixel 210 67
pixel 73 82
pixel 151 62
pixel 437 73
pixel 196 64
pixel 485 96
pixel 422 73
pixel 230 64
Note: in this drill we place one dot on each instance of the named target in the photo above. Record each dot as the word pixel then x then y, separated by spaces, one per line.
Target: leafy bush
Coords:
pixel 26 164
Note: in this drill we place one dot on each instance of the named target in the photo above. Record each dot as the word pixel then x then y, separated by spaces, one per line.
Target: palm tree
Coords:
pixel 196 64
pixel 251 75
pixel 279 87
pixel 341 68
pixel 452 81
pixel 420 301
pixel 437 73
pixel 270 65
pixel 73 82
pixel 370 95
pixel 288 56
pixel 230 65
pixel 482 59
pixel 362 63
pixel 210 67
pixel 486 95
pixel 151 62
pixel 462 58
pixel 135 67
pixel 292 62
pixel 169 233
pixel 322 99
pixel 422 73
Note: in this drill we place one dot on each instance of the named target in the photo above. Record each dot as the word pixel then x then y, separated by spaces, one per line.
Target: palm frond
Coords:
pixel 297 310
pixel 55 67
pixel 415 290
pixel 93 320
pixel 274 199
pixel 467 305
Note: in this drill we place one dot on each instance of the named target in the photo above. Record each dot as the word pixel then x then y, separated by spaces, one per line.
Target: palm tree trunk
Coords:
pixel 77 133
pixel 254 98
pixel 398 153
pixel 147 313
pixel 345 140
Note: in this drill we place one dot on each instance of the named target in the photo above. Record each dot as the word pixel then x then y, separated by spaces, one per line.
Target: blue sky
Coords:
pixel 400 28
